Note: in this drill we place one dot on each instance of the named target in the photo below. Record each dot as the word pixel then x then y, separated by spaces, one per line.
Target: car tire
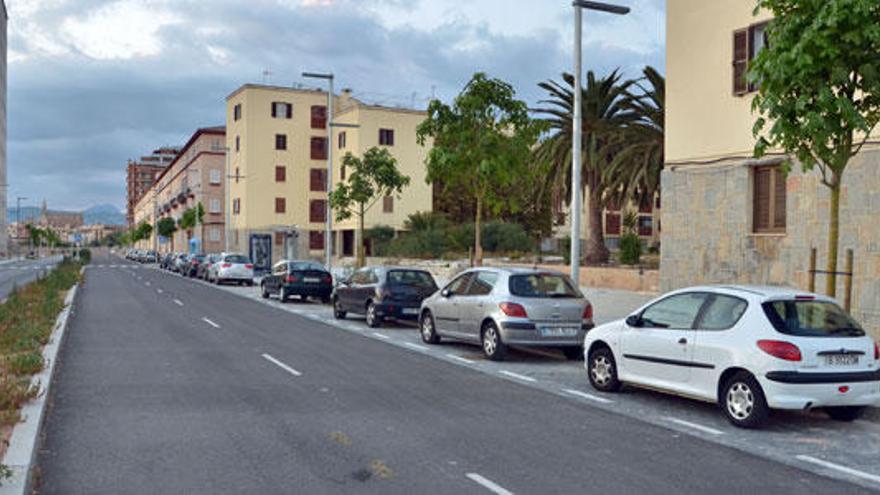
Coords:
pixel 493 347
pixel 325 300
pixel 338 312
pixel 573 353
pixel 373 320
pixel 304 298
pixel 743 401
pixel 264 291
pixel 250 283
pixel 427 330
pixel 602 370
pixel 845 413
pixel 282 295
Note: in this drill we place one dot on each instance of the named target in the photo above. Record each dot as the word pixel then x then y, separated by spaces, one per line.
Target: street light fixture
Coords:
pixel 577 199
pixel 328 240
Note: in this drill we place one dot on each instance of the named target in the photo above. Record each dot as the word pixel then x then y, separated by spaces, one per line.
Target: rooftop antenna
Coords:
pixel 267 76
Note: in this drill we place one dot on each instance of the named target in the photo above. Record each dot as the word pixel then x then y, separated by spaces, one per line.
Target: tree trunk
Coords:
pixel 595 250
pixel 833 239
pixel 478 238
pixel 361 261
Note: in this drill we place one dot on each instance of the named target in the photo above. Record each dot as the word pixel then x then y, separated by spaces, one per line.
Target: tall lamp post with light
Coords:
pixel 577 199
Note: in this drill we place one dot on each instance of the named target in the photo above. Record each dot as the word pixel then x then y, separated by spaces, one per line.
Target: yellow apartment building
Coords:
pixel 197 175
pixel 278 148
pixel 731 218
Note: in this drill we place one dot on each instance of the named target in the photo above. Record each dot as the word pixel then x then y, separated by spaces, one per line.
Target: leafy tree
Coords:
pixel 604 116
pixel 372 178
pixel 819 91
pixel 141 232
pixel 188 221
pixel 422 221
pixel 380 236
pixel 482 143
pixel 166 227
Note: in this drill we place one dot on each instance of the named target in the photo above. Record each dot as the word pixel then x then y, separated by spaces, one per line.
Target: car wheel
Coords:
pixel 743 402
pixel 338 312
pixel 373 320
pixel 304 298
pixel 493 347
pixel 845 413
pixel 427 329
pixel 574 353
pixel 325 300
pixel 250 283
pixel 264 291
pixel 282 294
pixel 602 370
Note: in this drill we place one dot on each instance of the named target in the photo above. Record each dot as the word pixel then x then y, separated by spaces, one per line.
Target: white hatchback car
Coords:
pixel 750 349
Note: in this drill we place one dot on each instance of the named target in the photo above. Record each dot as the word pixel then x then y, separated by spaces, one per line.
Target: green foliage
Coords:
pixel 630 249
pixel 502 237
pixel 425 220
pixel 28 363
pixel 630 221
pixel 188 219
pixel 85 256
pixel 497 237
pixel 5 473
pixel 380 236
pixel 166 227
pixel 142 232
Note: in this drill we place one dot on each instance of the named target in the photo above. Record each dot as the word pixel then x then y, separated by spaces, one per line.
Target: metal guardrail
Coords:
pixel 847 273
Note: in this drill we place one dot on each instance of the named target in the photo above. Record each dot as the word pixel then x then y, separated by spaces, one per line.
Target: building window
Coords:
pixel 341 139
pixel 236 112
pixel 388 204
pixel 237 143
pixel 317 211
pixel 281 110
pixel 237 175
pixel 214 235
pixel 279 238
pixel 280 205
pixel 280 173
pixel 612 223
pixel 646 226
pixel 317 180
pixel 236 206
pixel 645 204
pixel 215 176
pixel 768 204
pixel 214 205
pixel 316 240
pixel 280 141
pixel 319 148
pixel 319 117
pixel 342 171
pixel 386 137
pixel 747 43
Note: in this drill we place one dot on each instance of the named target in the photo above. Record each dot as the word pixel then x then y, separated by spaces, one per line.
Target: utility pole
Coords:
pixel 328 230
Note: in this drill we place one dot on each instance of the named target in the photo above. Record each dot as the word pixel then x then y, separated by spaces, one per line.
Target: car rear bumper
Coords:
pixel 795 390
pixel 235 275
pixel 399 311
pixel 526 334
pixel 308 290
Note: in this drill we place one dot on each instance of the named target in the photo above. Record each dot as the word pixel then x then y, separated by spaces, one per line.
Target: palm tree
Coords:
pixel 604 114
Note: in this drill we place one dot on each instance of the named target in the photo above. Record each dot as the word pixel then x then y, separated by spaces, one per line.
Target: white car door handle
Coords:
pixel 682 341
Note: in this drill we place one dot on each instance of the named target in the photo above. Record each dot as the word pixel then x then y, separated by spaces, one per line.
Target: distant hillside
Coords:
pixel 103 214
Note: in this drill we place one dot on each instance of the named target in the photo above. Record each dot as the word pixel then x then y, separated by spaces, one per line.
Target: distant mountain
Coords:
pixel 103 214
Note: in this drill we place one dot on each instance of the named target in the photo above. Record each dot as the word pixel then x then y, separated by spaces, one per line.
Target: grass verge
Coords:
pixel 27 319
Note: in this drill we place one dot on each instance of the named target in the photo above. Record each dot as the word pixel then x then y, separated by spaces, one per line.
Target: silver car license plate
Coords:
pixel 842 360
pixel 558 331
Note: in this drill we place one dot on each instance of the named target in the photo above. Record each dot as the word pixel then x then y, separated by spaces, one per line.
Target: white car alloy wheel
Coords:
pixel 372 318
pixel 600 370
pixel 740 401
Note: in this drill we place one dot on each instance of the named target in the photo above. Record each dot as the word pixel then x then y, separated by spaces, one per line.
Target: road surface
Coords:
pixel 22 272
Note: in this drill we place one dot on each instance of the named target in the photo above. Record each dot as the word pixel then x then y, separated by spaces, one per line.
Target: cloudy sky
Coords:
pixel 93 83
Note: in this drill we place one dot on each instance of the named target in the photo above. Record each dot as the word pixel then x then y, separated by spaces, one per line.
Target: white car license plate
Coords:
pixel 842 360
pixel 558 331
pixel 410 311
pixel 311 280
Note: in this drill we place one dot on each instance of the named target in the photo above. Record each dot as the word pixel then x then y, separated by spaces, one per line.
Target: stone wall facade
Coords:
pixel 707 232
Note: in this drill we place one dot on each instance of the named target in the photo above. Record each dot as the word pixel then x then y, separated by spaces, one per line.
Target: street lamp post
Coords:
pixel 577 199
pixel 328 232
pixel 18 200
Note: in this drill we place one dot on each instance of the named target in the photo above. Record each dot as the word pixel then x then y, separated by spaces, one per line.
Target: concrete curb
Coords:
pixel 23 444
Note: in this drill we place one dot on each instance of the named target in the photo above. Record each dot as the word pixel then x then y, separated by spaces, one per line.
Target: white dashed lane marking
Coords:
pixel 584 395
pixel 178 302
pixel 209 322
pixel 281 365
pixel 415 346
pixel 695 426
pixel 488 484
pixel 381 336
pixel 517 376
pixel 460 359
pixel 841 469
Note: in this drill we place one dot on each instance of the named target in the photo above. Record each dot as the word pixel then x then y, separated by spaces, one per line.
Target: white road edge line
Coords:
pixel 584 395
pixel 695 426
pixel 178 302
pixel 209 322
pixel 381 336
pixel 517 375
pixel 147 284
pixel 415 346
pixel 843 469
pixel 281 365
pixel 460 359
pixel 488 484
pixel 159 291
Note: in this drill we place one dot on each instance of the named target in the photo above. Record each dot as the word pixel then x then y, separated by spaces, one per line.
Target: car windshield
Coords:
pixel 810 318
pixel 305 265
pixel 237 258
pixel 543 285
pixel 415 278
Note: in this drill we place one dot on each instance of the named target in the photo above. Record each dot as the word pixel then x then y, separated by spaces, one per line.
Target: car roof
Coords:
pixel 515 270
pixel 757 292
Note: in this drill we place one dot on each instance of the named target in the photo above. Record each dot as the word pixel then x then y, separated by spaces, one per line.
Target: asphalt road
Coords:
pixel 196 390
pixel 22 272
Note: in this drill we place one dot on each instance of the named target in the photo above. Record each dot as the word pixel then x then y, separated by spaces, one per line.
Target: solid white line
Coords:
pixel 415 346
pixel 209 322
pixel 517 375
pixel 587 396
pixel 459 359
pixel 281 365
pixel 488 484
pixel 704 429
pixel 381 336
pixel 178 302
pixel 159 291
pixel 842 469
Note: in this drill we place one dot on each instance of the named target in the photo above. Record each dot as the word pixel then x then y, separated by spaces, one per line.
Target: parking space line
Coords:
pixel 178 302
pixel 488 484
pixel 843 469
pixel 695 426
pixel 381 336
pixel 460 359
pixel 209 322
pixel 517 376
pixel 415 346
pixel 587 396
pixel 281 365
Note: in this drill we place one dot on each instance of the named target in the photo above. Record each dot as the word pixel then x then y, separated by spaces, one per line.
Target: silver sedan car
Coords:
pixel 501 307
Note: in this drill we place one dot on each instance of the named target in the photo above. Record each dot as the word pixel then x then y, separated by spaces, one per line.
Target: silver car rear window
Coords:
pixel 237 258
pixel 549 285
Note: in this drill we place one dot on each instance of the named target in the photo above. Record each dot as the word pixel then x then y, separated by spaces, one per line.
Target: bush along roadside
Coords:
pixel 27 320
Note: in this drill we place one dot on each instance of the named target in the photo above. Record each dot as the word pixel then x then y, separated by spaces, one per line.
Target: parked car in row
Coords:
pixel 502 307
pixel 298 278
pixel 206 264
pixel 191 267
pixel 748 349
pixel 231 267
pixel 381 292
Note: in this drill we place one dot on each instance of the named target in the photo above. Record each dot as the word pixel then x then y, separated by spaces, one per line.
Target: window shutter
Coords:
pixel 779 200
pixel 289 111
pixel 273 110
pixel 280 173
pixel 761 207
pixel 740 61
pixel 317 211
pixel 388 204
pixel 612 223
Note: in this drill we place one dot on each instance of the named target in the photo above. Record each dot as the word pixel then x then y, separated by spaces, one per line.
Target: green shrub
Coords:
pixel 28 363
pixel 381 237
pixel 504 237
pixel 630 249
pixel 85 256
